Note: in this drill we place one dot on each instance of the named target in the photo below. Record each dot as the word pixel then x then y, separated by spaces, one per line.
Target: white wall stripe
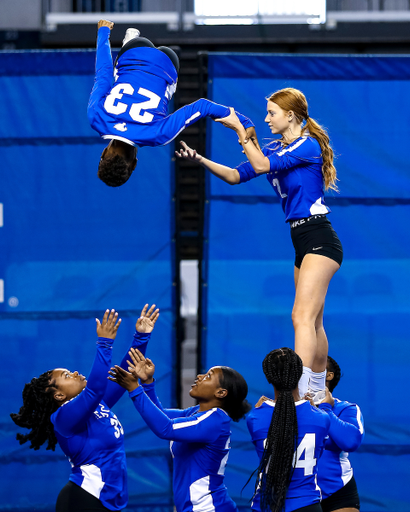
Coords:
pixel 1 290
pixel 1 215
pixel 185 424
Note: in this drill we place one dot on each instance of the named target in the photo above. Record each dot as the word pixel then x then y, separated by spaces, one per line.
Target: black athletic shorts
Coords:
pixel 346 497
pixel 136 42
pixel 73 498
pixel 315 235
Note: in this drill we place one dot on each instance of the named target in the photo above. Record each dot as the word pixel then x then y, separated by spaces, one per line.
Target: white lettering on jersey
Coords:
pixel 221 470
pixel 117 92
pixel 118 430
pixel 113 106
pixel 307 445
pixel 121 127
pixel 103 412
pixel 275 183
pixel 152 102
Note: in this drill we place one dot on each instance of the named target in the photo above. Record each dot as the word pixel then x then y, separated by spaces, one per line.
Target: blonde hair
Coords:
pixel 295 100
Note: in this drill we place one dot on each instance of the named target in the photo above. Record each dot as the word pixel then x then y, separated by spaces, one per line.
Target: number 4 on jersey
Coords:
pixel 307 447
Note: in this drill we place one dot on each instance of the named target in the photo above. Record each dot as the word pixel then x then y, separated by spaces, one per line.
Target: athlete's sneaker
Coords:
pixel 130 33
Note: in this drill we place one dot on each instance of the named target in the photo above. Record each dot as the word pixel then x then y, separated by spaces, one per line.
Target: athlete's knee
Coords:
pixel 301 317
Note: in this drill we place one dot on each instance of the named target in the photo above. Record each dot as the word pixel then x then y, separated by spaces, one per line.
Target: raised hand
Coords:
pixel 262 400
pixel 123 378
pixel 231 121
pixel 141 367
pixel 105 23
pixel 188 153
pixel 328 398
pixel 109 326
pixel 146 322
pixel 251 135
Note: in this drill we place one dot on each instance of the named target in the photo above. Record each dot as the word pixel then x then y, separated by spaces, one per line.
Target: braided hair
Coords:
pixel 332 366
pixel 282 368
pixel 38 406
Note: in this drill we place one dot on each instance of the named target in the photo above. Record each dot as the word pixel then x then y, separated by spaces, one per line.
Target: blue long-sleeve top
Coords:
pixel 200 443
pixel 134 108
pixel 90 434
pixel 313 427
pixel 295 175
pixel 345 435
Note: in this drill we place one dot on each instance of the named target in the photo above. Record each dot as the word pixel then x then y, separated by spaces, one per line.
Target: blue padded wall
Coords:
pixel 70 248
pixel 248 291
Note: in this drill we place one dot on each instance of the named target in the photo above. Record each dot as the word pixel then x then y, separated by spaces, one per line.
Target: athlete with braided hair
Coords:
pixel 288 434
pixel 335 473
pixel 299 167
pixel 64 407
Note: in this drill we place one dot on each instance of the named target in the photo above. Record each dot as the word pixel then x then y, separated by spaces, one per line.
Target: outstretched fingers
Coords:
pixel 136 356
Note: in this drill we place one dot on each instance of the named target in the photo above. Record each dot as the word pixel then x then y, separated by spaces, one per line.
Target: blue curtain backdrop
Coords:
pixel 248 261
pixel 70 248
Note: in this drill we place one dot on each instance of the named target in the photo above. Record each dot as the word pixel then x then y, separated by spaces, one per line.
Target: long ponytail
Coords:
pixel 295 100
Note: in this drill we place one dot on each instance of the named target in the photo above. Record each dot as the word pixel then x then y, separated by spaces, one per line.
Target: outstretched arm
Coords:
pixel 72 416
pixel 104 70
pixel 143 329
pixel 202 428
pixel 226 174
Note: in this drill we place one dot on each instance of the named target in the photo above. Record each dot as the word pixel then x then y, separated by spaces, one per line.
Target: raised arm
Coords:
pixel 257 159
pixel 201 428
pixel 72 416
pixel 104 70
pixel 143 329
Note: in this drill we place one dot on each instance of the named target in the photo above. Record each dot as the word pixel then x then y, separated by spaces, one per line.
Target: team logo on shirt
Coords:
pixel 121 127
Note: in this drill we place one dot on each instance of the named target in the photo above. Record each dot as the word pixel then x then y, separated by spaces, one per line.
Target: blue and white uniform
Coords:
pixel 313 427
pixel 90 434
pixel 345 435
pixel 134 109
pixel 200 443
pixel 295 175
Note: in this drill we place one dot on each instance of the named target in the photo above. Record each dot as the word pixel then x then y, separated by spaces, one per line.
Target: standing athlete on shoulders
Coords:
pixel 299 166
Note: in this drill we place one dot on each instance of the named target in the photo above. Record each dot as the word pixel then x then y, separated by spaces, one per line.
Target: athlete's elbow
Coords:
pixel 233 178
pixel 261 167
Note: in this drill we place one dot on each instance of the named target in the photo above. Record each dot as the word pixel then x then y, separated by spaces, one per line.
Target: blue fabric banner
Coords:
pixel 70 248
